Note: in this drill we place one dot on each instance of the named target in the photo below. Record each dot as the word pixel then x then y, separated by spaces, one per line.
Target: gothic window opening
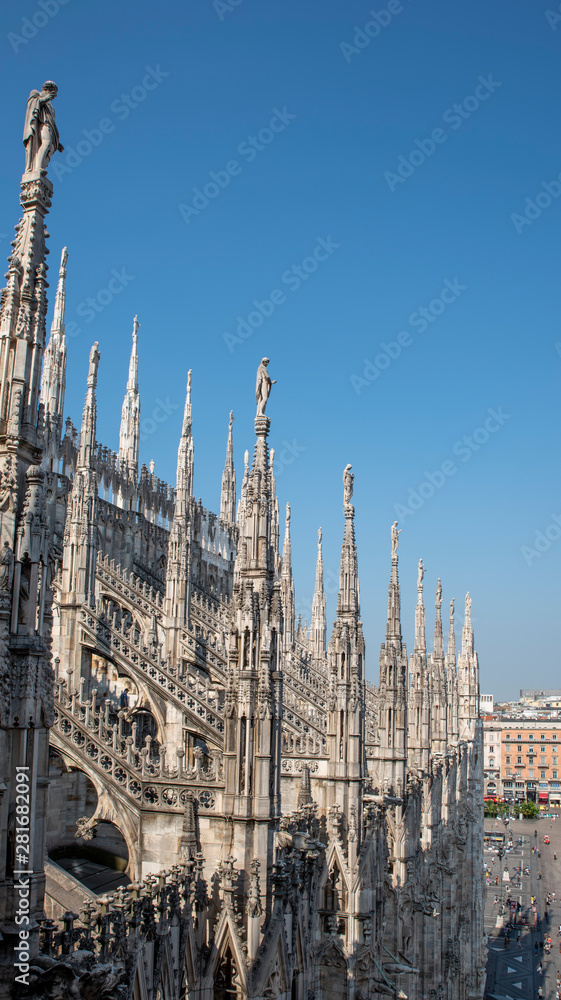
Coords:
pixel 224 988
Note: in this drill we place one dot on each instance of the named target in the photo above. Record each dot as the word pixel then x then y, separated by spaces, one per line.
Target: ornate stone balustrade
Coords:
pixel 129 647
pixel 134 590
pixel 85 730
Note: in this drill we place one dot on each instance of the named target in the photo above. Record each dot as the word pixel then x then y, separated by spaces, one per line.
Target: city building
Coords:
pixel 521 759
pixel 284 828
pixel 492 758
pixel 485 704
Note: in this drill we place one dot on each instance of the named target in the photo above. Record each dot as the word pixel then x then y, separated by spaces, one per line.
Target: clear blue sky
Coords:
pixel 359 102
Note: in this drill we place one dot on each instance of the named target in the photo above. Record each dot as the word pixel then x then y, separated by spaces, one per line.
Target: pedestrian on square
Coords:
pixel 539 969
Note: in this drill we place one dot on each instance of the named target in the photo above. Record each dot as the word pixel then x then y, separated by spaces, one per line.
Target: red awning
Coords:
pixel 543 796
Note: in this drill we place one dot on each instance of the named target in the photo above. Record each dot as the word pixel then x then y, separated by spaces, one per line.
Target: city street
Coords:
pixel 512 972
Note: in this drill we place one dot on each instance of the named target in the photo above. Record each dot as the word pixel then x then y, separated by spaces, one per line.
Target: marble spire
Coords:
pixel 438 636
pixel 129 437
pixel 89 417
pixel 420 622
pixel 348 598
pixel 451 651
pixel 393 626
pixel 287 585
pixel 228 491
pixel 318 629
pixel 53 379
pixel 185 457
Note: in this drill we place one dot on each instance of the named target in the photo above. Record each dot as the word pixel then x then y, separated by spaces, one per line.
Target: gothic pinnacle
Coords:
pixel 89 419
pixel 228 491
pixel 393 628
pixel 420 630
pixel 348 599
pixel 438 637
pixel 185 455
pixel 467 631
pixel 318 628
pixel 129 435
pixel 451 652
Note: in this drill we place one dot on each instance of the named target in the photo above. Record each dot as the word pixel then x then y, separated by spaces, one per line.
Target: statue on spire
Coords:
pixel 420 574
pixel 94 362
pixel 395 538
pixel 438 603
pixel 263 387
pixel 348 480
pixel 40 133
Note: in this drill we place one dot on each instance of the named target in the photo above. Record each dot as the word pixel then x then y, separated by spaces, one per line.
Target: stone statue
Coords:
pixel 438 603
pixel 263 387
pixel 40 134
pixel 348 480
pixel 420 574
pixel 6 568
pixel 395 538
pixel 94 362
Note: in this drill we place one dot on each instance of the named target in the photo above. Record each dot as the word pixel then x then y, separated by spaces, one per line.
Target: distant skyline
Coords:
pixel 373 201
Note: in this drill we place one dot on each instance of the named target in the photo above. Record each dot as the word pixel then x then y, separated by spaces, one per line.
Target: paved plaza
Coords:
pixel 512 972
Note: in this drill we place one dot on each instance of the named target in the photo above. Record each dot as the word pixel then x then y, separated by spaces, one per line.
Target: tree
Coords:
pixel 529 810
